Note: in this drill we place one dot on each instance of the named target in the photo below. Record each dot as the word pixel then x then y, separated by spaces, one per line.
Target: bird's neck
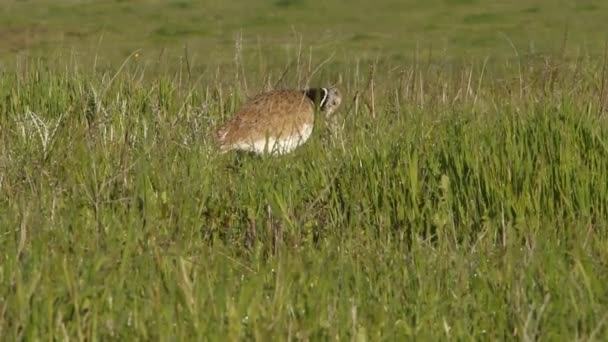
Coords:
pixel 317 95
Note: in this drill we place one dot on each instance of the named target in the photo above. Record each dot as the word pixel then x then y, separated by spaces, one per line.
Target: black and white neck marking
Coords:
pixel 318 96
pixel 324 99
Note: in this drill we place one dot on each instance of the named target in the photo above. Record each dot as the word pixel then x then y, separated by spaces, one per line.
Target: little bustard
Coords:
pixel 277 122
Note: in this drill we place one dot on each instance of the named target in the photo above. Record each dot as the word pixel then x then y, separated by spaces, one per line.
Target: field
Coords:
pixel 465 196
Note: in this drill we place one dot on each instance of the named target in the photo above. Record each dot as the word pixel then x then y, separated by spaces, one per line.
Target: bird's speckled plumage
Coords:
pixel 277 121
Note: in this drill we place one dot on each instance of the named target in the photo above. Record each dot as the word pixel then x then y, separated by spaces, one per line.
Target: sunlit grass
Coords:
pixel 402 29
pixel 462 201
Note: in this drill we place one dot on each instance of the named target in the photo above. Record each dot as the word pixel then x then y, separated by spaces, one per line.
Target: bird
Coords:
pixel 276 122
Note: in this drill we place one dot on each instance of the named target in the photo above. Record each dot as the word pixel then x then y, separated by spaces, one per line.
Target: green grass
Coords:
pixel 464 209
pixel 464 198
pixel 112 30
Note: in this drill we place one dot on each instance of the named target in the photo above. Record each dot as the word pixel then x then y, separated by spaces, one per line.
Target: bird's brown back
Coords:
pixel 277 113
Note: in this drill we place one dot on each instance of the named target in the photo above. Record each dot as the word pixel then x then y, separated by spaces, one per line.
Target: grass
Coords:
pixel 473 205
pixel 112 30
pixel 464 198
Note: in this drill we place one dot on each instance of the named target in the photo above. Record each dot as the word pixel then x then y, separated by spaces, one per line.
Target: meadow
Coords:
pixel 464 197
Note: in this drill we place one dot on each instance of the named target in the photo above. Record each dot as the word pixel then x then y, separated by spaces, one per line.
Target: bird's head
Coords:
pixel 331 100
pixel 327 99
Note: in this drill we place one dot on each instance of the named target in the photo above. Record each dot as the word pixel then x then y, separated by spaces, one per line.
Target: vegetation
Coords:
pixel 465 196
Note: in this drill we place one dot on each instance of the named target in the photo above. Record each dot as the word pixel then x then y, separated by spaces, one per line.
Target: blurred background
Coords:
pixel 210 32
